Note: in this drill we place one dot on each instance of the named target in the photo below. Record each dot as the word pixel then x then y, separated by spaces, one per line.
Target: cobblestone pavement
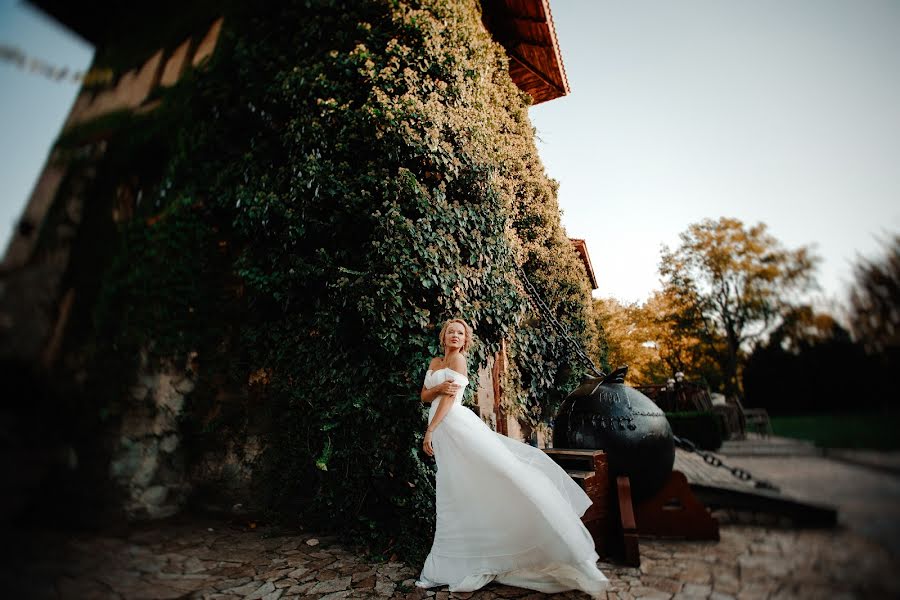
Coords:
pixel 868 500
pixel 204 559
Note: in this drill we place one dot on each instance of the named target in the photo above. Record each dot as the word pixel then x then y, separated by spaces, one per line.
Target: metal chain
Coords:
pixel 683 443
pixel 715 461
pixel 545 312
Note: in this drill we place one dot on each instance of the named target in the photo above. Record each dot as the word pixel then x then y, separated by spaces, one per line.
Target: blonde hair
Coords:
pixel 469 336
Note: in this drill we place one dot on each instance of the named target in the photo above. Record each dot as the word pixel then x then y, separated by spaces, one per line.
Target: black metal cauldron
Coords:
pixel 605 414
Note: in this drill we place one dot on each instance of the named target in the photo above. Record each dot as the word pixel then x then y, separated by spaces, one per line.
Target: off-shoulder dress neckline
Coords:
pixel 447 369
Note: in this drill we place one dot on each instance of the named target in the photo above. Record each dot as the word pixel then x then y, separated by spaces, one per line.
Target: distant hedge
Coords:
pixel 705 429
pixel 340 179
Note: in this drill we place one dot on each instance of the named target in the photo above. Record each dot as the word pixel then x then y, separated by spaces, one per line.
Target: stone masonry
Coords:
pixel 146 463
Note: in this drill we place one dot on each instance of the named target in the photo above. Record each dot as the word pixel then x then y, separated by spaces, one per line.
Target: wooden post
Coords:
pixel 630 548
pixel 496 372
pixel 589 469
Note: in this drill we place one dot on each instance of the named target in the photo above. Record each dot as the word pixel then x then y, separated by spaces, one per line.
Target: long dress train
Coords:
pixel 505 511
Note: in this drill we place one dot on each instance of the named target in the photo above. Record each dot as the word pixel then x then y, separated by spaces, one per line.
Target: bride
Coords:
pixel 505 511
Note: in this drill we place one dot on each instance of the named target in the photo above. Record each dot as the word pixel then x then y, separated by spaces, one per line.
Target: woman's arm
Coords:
pixel 429 394
pixel 442 410
pixel 458 365
pixel 448 388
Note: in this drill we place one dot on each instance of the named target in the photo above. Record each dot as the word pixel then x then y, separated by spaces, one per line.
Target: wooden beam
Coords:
pixel 536 44
pixel 524 19
pixel 534 71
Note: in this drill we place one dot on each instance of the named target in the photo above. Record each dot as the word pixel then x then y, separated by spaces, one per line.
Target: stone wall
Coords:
pixel 222 480
pixel 154 470
pixel 158 478
pixel 147 462
pixel 485 395
pixel 491 412
pixel 150 467
pixel 33 310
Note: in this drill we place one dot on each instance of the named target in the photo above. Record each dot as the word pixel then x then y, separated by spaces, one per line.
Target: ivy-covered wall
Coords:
pixel 338 180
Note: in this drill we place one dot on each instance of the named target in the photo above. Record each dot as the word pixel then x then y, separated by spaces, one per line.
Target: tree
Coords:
pixel 678 339
pixel 875 301
pixel 798 368
pixel 625 339
pixel 734 283
pixel 802 327
pixel 655 339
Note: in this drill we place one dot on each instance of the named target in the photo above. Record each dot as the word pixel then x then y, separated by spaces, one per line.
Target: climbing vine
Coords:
pixel 343 178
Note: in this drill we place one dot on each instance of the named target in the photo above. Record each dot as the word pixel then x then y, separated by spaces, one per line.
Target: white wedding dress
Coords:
pixel 505 511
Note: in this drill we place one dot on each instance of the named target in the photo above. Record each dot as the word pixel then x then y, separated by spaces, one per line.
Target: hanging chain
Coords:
pixel 683 443
pixel 546 313
pixel 715 461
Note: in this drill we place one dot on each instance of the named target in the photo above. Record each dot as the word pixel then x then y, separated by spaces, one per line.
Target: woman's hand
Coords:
pixel 448 388
pixel 426 444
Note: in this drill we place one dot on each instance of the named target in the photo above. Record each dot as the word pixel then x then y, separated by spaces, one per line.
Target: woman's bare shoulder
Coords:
pixel 458 363
pixel 434 363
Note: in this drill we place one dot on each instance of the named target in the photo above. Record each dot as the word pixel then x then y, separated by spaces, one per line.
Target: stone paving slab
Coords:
pixel 868 500
pixel 204 559
pixel 887 461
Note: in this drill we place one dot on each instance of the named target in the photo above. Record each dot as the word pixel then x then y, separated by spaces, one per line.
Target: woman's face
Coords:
pixel 455 336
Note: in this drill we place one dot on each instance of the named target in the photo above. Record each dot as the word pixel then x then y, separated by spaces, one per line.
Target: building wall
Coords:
pixel 129 93
pixel 147 457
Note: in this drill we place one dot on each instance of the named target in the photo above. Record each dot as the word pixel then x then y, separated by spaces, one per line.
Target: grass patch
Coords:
pixel 870 431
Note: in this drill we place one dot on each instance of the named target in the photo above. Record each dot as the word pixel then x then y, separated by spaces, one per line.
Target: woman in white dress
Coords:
pixel 505 511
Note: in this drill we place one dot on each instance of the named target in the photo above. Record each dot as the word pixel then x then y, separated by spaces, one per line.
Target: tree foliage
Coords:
pixel 874 310
pixel 655 339
pixel 343 178
pixel 806 366
pixel 735 283
pixel 624 336
pixel 809 360
pixel 681 341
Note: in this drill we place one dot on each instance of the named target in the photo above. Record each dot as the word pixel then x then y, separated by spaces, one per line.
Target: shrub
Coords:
pixel 706 429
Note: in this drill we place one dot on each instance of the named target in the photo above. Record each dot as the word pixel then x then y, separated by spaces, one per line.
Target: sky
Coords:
pixel 32 107
pixel 780 111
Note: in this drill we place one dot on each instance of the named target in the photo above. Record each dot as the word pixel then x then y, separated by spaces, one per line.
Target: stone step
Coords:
pixel 798 444
pixel 772 446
